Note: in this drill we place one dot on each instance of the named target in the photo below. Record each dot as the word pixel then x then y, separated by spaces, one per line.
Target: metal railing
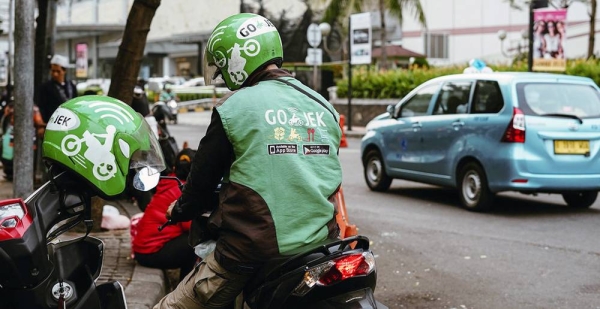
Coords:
pixel 206 103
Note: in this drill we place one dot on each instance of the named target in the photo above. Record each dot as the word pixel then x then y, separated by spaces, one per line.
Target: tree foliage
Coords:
pixel 338 12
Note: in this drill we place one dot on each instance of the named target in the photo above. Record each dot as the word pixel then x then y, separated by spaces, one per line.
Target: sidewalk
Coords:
pixel 144 286
pixel 357 132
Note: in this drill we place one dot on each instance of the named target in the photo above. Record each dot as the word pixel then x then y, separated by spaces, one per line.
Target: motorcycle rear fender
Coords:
pixel 356 300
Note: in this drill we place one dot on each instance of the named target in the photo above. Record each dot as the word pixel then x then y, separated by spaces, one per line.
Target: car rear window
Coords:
pixel 541 99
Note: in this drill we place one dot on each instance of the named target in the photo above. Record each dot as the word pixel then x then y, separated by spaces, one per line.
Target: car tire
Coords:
pixel 473 189
pixel 584 199
pixel 374 172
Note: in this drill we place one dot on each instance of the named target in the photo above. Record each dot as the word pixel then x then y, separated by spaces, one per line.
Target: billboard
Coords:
pixel 81 60
pixel 360 38
pixel 549 37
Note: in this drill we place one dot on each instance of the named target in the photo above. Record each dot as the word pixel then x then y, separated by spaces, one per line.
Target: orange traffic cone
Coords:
pixel 346 229
pixel 343 141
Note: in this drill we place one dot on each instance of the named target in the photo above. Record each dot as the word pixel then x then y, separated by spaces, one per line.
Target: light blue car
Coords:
pixel 487 133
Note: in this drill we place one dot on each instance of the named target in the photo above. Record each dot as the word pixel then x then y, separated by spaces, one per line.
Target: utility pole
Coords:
pixel 9 62
pixel 534 4
pixel 24 132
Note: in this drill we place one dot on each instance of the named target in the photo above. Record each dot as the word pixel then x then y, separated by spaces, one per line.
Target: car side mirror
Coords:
pixel 391 109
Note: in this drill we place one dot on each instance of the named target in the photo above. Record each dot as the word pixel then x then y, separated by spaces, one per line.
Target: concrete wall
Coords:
pixel 363 110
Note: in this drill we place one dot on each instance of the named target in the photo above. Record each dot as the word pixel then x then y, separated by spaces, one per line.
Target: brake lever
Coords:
pixel 169 222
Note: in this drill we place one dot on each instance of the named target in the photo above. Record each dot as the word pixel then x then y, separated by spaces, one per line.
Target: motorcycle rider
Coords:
pixel 167 94
pixel 278 179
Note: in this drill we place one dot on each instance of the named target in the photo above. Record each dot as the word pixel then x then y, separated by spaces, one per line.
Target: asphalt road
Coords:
pixel 531 252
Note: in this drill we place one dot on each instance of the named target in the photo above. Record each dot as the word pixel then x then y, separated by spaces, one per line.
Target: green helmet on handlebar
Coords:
pixel 240 45
pixel 100 139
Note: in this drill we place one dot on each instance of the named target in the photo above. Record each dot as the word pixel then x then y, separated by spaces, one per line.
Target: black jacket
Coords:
pixel 51 95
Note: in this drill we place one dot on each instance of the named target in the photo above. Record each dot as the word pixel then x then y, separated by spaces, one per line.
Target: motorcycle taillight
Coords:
pixel 336 270
pixel 14 219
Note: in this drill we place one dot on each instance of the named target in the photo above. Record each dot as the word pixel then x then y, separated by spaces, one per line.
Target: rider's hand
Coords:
pixel 170 209
pixel 179 212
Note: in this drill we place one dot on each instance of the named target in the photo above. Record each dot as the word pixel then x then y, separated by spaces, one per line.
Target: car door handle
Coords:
pixel 416 126
pixel 458 124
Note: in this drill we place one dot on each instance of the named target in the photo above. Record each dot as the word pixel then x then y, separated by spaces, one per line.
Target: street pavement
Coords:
pixel 143 286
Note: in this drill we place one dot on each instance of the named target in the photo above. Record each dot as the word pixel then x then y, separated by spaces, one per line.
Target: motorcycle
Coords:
pixel 172 104
pixel 39 269
pixel 162 113
pixel 335 273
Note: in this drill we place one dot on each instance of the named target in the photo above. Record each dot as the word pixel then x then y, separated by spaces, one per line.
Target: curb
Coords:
pixel 193 109
pixel 355 134
pixel 147 285
pixel 146 288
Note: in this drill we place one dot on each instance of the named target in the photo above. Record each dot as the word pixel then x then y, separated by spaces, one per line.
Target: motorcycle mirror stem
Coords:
pixel 174 178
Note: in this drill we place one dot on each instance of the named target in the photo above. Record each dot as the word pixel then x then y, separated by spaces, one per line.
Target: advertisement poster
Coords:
pixel 81 61
pixel 360 38
pixel 549 38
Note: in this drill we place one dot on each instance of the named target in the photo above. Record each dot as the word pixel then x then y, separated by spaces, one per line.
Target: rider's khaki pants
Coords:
pixel 208 286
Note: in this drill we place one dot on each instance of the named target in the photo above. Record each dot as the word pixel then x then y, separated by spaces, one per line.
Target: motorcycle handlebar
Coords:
pixel 169 222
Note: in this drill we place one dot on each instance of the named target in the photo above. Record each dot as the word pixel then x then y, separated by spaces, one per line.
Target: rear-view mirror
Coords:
pixel 391 109
pixel 146 179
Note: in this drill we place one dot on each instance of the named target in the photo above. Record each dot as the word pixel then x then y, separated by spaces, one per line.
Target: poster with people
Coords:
pixel 81 61
pixel 549 38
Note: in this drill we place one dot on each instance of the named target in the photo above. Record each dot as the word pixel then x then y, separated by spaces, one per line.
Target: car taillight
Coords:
pixel 337 270
pixel 14 219
pixel 515 132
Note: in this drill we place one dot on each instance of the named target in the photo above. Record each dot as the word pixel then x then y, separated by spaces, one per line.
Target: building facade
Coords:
pixel 174 44
pixel 458 30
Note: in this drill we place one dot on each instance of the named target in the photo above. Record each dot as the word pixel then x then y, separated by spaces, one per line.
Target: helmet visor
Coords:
pixel 212 74
pixel 150 154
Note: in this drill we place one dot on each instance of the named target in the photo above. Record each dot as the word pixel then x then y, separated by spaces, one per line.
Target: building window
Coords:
pixel 436 45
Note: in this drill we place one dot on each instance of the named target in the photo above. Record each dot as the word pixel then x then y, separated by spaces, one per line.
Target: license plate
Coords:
pixel 571 147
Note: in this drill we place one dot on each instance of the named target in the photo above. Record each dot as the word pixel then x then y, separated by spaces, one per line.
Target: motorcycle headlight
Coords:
pixel 172 104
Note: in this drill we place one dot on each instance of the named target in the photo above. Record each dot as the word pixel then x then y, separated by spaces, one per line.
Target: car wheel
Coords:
pixel 473 188
pixel 583 199
pixel 374 171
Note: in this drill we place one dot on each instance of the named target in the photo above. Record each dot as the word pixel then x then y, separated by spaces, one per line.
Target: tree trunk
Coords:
pixel 40 46
pixel 592 37
pixel 383 64
pixel 129 58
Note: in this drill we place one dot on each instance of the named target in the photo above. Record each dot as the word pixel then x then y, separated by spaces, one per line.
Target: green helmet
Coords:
pixel 100 139
pixel 240 45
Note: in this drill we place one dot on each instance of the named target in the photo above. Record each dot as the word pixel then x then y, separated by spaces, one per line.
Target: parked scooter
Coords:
pixel 335 273
pixel 42 268
pixel 39 271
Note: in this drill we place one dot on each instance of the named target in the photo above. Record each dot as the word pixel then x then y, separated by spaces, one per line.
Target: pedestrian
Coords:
pixel 140 103
pixel 57 90
pixel 166 249
pixel 8 123
pixel 278 176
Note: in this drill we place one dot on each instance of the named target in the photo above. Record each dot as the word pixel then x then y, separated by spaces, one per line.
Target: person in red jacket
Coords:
pixel 167 249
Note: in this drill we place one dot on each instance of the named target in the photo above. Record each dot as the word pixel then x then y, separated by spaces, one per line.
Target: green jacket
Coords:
pixel 285 169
